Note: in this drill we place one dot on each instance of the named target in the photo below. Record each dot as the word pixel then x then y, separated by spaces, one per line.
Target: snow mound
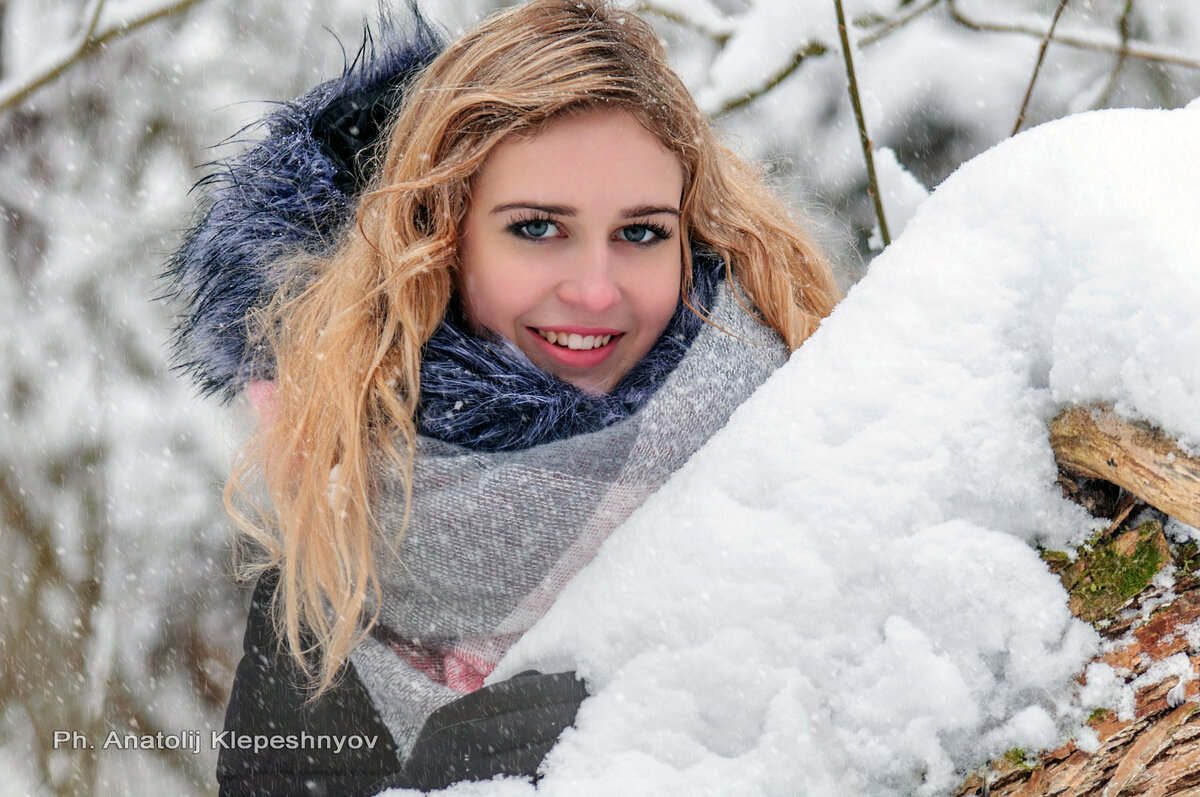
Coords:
pixel 838 595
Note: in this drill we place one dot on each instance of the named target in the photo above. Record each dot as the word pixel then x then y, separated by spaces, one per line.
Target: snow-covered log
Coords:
pixel 840 594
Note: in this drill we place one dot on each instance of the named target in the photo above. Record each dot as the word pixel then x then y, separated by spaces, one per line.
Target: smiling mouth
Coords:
pixel 574 340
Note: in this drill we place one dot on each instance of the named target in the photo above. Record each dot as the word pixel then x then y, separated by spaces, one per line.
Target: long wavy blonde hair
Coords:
pixel 347 343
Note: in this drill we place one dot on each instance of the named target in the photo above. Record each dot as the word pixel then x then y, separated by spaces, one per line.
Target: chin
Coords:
pixel 593 387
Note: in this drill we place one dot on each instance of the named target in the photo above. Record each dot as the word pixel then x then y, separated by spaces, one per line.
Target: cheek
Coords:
pixel 661 296
pixel 493 296
pixel 477 276
pixel 479 299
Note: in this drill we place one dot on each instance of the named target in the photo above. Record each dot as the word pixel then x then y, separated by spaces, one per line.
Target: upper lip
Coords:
pixel 575 330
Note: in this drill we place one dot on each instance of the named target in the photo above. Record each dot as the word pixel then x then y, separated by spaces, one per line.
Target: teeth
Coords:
pixel 574 340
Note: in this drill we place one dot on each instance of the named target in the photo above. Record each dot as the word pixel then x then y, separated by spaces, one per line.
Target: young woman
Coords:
pixel 488 300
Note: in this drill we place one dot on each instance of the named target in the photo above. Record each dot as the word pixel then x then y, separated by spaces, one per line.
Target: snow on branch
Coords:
pixel 773 80
pixel 92 36
pixel 698 15
pixel 1089 41
pixel 706 20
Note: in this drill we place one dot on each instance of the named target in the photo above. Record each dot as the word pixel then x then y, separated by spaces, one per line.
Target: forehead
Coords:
pixel 586 158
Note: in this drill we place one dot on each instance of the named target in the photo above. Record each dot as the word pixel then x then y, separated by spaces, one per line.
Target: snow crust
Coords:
pixel 839 594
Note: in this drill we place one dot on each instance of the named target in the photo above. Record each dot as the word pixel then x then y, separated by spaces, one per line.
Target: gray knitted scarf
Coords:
pixel 494 536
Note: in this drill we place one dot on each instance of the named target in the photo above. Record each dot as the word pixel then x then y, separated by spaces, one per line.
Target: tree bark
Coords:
pixel 1156 753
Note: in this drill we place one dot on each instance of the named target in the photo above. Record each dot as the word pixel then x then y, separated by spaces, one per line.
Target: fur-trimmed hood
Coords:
pixel 295 190
pixel 292 190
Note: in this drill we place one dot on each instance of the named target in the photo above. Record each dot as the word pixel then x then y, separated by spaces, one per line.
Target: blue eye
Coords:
pixel 644 233
pixel 536 229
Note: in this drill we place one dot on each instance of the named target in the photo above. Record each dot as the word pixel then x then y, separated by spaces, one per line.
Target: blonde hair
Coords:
pixel 348 344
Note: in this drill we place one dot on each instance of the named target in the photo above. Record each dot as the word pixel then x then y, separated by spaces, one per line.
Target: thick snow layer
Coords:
pixel 839 595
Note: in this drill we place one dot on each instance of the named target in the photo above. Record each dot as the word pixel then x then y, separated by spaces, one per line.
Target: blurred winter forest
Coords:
pixel 118 606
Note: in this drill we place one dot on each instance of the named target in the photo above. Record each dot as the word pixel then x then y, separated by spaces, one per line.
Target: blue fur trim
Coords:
pixel 276 198
pixel 284 194
pixel 486 395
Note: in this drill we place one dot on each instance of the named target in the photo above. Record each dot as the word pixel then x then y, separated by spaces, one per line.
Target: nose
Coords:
pixel 591 283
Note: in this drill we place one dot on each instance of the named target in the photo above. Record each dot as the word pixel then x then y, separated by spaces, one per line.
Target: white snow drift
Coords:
pixel 840 594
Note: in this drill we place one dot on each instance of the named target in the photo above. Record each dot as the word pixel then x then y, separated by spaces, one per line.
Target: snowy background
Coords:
pixel 1012 293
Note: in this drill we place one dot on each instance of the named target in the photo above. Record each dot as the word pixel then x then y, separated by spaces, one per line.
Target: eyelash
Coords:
pixel 661 233
pixel 518 224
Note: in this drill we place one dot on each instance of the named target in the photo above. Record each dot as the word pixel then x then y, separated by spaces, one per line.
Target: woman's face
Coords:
pixel 571 247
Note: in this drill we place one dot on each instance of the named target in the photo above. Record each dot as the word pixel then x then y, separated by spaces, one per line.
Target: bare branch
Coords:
pixel 1122 57
pixel 718 32
pixel 1140 50
pixel 15 90
pixel 873 184
pixel 720 35
pixel 93 19
pixel 884 28
pixel 1038 66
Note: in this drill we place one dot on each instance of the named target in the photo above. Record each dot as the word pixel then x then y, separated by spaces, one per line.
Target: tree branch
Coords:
pixel 1038 66
pixel 19 518
pixel 93 19
pixel 15 90
pixel 873 183
pixel 1094 442
pixel 1122 57
pixel 811 49
pixel 1142 50
pixel 884 28
pixel 719 33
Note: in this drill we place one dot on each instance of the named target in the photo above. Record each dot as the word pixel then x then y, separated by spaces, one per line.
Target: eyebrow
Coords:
pixel 568 211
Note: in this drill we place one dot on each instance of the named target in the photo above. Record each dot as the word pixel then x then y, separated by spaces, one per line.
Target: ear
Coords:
pixel 261 395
